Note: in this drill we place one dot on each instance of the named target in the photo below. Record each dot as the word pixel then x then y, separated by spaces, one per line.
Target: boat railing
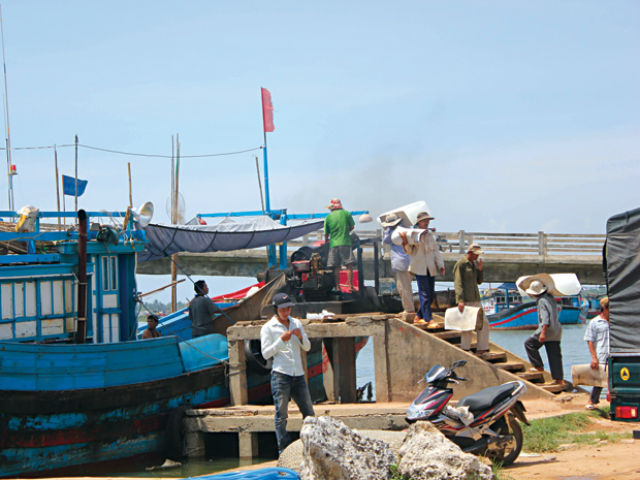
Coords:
pixel 43 232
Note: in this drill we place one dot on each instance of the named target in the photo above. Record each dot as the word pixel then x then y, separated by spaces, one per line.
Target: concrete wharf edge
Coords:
pixel 403 353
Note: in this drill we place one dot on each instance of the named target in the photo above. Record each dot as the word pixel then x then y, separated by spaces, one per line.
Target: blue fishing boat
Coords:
pixel 78 391
pixel 506 309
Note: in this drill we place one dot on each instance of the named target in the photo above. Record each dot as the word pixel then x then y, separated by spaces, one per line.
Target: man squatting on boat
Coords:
pixel 282 338
pixel 202 310
pixel 467 275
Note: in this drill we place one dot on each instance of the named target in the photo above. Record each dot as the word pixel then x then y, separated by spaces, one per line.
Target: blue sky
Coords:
pixel 503 116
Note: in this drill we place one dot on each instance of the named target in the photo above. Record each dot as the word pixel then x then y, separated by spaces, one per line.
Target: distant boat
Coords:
pixel 507 310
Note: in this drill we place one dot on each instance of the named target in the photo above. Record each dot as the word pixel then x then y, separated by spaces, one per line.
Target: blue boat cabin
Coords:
pixel 39 289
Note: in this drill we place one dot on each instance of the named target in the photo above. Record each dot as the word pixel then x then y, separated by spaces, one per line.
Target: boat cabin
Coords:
pixel 39 273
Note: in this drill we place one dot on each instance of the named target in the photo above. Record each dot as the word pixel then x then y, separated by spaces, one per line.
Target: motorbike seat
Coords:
pixel 488 397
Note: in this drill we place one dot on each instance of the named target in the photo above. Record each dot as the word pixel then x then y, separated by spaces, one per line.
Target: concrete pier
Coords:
pixel 403 353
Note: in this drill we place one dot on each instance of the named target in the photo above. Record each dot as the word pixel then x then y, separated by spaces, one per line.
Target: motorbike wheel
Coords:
pixel 507 425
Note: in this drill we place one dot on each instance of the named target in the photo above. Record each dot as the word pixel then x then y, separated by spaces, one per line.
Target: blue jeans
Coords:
pixel 426 288
pixel 283 388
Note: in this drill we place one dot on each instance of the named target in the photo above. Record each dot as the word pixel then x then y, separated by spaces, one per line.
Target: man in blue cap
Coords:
pixel 282 338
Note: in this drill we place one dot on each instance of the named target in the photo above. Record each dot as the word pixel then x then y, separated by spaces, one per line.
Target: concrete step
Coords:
pixel 553 388
pixel 448 335
pixel 512 367
pixel 494 357
pixel 534 377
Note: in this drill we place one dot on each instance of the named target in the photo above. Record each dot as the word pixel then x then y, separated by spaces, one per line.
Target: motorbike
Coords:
pixel 484 423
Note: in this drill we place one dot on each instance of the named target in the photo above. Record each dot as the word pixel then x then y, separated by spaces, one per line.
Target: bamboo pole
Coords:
pixel 174 220
pixel 172 284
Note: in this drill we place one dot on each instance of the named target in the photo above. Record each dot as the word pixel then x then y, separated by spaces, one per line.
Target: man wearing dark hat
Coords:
pixel 548 333
pixel 426 262
pixel 337 231
pixel 400 261
pixel 467 275
pixel 282 338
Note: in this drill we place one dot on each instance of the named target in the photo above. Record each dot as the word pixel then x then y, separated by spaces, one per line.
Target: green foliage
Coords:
pixel 547 434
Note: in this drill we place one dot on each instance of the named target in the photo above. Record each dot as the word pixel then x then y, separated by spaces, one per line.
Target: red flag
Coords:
pixel 267 111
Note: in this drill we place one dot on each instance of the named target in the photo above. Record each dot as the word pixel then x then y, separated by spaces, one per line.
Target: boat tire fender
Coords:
pixel 255 361
pixel 174 433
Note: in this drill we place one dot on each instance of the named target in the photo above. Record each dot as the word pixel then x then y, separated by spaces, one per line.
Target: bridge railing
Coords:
pixel 540 243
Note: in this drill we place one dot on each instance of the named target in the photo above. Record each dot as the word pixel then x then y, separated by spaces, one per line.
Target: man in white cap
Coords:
pixel 400 266
pixel 467 275
pixel 337 231
pixel 426 262
pixel 548 333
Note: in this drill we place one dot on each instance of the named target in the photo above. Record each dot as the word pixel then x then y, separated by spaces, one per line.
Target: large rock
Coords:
pixel 291 457
pixel 331 450
pixel 427 454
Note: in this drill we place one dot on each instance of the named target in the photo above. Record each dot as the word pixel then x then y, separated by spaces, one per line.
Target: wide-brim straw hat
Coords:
pixel 424 216
pixel 558 284
pixel 391 220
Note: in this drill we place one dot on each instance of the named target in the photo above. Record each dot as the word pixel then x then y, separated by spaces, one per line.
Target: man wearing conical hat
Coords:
pixel 548 333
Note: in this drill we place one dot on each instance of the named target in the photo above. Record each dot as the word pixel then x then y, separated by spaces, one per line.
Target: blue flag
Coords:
pixel 69 186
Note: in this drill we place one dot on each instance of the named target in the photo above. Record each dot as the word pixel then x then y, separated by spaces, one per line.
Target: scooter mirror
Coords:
pixel 458 363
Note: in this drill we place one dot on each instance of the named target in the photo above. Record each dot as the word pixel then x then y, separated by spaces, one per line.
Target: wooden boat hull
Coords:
pixel 82 430
pixel 50 430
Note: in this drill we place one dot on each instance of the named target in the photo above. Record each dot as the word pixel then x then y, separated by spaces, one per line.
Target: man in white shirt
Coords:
pixel 426 263
pixel 597 338
pixel 282 337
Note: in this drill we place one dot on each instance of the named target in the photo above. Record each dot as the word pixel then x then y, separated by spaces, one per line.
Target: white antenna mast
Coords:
pixel 6 109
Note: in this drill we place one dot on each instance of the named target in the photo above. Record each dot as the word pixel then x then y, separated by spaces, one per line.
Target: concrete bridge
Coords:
pixel 507 256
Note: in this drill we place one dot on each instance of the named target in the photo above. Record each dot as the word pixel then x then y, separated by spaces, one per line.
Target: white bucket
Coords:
pixel 413 235
pixel 407 213
pixel 583 374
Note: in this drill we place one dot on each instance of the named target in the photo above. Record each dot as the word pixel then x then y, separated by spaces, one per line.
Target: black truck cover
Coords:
pixel 621 259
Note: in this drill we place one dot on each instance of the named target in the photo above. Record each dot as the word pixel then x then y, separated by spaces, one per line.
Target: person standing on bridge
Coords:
pixel 467 275
pixel 337 231
pixel 282 338
pixel 426 262
pixel 548 333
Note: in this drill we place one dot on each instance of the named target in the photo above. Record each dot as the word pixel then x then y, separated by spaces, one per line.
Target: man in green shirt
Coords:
pixel 467 275
pixel 337 231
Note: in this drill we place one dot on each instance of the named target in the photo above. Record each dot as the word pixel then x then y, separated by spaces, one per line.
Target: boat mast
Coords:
pixel 6 110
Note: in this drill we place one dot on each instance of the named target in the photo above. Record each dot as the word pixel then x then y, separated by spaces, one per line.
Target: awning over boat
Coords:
pixel 622 271
pixel 165 240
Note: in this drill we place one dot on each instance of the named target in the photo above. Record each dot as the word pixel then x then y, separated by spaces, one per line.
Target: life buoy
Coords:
pixel 255 361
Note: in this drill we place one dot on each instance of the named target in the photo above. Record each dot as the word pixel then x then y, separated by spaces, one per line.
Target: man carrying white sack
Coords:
pixel 400 265
pixel 426 262
pixel 467 275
